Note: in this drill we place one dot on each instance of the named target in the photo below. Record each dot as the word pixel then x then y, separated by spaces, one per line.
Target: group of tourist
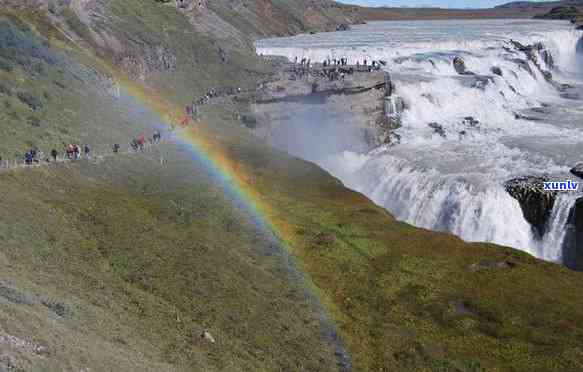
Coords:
pixel 72 151
pixel 216 93
pixel 75 152
pixel 337 73
pixel 139 143
pixel 335 62
pixel 304 62
pixel 329 62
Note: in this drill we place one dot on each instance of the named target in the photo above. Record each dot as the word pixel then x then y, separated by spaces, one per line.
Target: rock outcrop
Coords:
pixel 535 53
pixel 578 170
pixel 535 202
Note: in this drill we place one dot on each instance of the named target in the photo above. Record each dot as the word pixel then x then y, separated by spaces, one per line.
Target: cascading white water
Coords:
pixel 551 246
pixel 451 179
pixel 427 199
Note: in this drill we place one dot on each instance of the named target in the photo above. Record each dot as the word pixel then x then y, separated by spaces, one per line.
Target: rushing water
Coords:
pixel 455 182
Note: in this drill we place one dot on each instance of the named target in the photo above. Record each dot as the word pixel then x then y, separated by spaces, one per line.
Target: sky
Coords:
pixel 430 3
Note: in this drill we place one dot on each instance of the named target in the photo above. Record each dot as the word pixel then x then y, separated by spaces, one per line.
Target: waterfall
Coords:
pixel 463 136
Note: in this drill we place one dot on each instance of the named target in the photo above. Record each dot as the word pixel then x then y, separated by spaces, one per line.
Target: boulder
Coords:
pixel 578 170
pixel 496 70
pixel 437 128
pixel 535 202
pixel 460 66
pixel 471 121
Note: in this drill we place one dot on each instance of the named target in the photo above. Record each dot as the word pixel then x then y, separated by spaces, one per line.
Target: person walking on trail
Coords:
pixel 76 151
pixel 33 154
pixel 115 148
pixel 54 154
pixel 87 151
pixel 141 142
pixel 28 158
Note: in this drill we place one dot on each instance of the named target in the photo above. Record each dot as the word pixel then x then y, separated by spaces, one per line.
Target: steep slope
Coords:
pixel 123 261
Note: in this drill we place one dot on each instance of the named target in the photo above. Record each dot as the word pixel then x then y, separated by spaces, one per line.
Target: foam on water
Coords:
pixel 455 183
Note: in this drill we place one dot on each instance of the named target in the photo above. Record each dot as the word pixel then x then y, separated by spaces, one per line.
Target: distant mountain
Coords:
pixel 528 5
pixel 387 14
pixel 564 9
pixel 539 4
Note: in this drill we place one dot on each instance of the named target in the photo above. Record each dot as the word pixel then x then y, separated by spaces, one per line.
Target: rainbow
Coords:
pixel 234 179
pixel 232 176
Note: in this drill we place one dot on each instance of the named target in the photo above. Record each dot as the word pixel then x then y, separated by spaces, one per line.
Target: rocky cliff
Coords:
pixel 535 202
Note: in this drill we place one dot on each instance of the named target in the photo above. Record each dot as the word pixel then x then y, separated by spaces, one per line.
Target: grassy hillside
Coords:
pixel 120 263
pixel 127 262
